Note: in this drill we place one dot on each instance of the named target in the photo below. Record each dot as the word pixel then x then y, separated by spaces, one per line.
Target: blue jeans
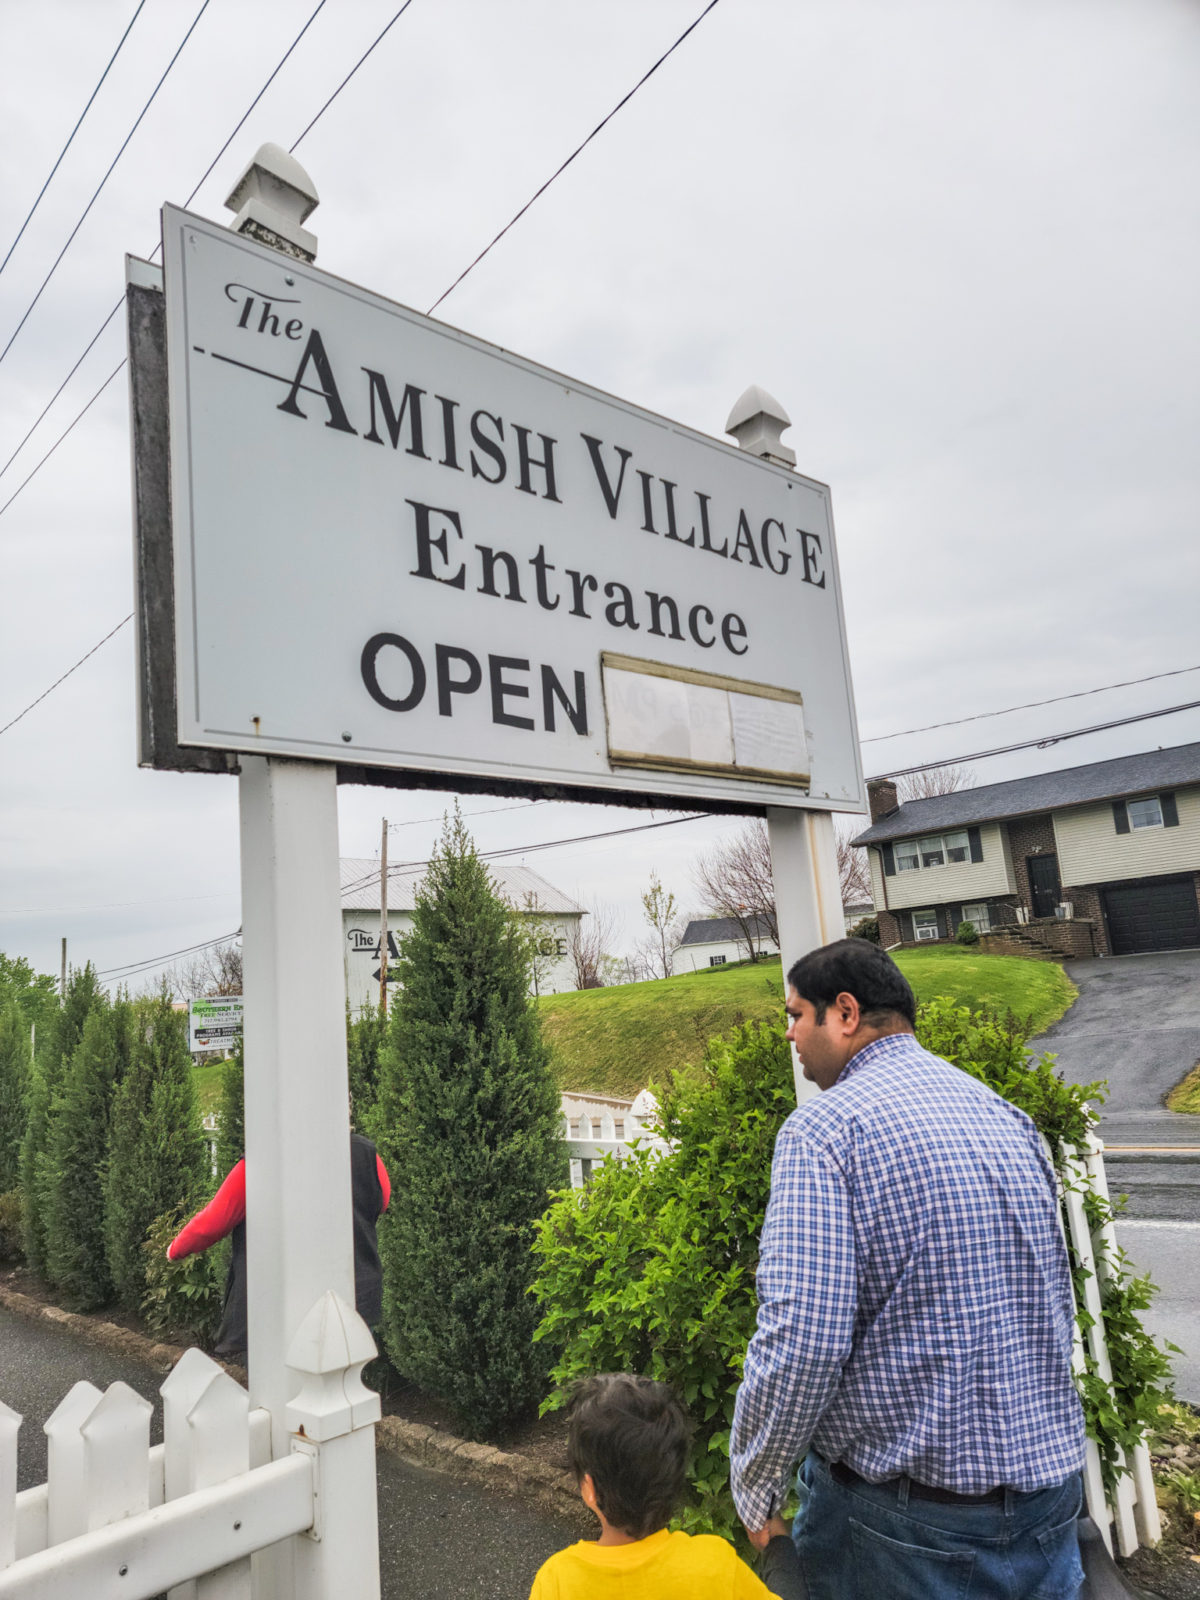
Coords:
pixel 875 1542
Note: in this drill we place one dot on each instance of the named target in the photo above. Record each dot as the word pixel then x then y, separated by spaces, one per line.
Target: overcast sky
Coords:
pixel 958 242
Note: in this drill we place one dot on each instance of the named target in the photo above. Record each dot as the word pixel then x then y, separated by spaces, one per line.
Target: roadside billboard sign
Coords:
pixel 398 547
pixel 214 1023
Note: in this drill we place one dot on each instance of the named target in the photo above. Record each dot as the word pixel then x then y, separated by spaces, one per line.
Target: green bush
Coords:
pixel 651 1269
pixel 158 1158
pixel 967 933
pixel 866 928
pixel 185 1297
pixel 12 1232
pixel 15 1062
pixel 468 1120
pixel 231 1116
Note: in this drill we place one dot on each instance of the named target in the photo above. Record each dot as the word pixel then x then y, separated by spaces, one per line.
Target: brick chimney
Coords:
pixel 881 796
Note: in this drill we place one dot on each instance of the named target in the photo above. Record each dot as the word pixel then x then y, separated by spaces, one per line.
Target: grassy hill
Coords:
pixel 615 1041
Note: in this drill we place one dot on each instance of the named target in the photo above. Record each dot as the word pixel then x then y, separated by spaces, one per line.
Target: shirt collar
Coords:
pixel 892 1046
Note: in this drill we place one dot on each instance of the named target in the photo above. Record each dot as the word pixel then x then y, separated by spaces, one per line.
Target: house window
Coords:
pixel 1145 813
pixel 958 846
pixel 717 961
pixel 979 915
pixel 908 856
pixel 933 852
pixel 925 924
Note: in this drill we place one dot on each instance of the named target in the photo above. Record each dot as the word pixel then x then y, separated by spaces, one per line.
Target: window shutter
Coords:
pixel 976 844
pixel 1170 810
pixel 1120 816
pixel 889 861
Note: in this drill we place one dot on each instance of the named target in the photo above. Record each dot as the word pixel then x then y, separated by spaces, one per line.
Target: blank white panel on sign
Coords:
pixel 665 717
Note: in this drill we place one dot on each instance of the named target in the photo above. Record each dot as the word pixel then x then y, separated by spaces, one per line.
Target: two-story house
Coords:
pixel 1095 860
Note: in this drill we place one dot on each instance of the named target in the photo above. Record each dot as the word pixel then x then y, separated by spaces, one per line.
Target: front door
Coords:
pixel 1044 888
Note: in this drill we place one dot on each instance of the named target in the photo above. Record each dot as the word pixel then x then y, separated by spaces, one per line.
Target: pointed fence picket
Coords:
pixel 117 1518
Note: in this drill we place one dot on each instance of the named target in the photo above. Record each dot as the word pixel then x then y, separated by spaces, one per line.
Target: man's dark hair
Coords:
pixel 631 1435
pixel 852 966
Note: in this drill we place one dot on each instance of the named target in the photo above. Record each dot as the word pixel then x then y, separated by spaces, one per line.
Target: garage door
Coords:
pixel 1152 916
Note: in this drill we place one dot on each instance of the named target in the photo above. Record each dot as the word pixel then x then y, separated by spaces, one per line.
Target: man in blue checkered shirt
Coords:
pixel 915 1318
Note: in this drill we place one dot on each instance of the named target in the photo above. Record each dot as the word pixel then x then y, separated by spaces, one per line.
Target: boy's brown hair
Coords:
pixel 631 1435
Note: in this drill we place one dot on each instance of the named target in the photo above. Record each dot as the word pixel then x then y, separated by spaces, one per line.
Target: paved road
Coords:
pixel 1170 1252
pixel 438 1539
pixel 1137 1024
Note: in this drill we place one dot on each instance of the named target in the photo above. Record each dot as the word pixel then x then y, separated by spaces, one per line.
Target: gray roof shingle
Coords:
pixel 719 930
pixel 1048 791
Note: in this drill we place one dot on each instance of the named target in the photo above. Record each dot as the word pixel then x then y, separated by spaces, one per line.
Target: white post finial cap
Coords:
pixel 273 196
pixel 756 422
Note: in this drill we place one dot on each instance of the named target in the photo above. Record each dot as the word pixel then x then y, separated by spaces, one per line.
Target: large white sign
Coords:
pixel 396 545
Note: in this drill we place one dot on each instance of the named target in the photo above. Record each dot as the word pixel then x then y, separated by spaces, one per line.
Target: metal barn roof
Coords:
pixel 516 884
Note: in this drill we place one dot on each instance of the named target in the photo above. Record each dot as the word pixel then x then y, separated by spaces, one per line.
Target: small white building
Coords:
pixel 715 941
pixel 554 914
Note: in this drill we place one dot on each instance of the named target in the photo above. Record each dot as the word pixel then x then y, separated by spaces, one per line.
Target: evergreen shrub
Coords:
pixel 866 928
pixel 468 1123
pixel 651 1268
pixel 15 1064
pixel 76 1158
pixel 967 933
pixel 231 1115
pixel 158 1158
pixel 12 1229
pixel 184 1298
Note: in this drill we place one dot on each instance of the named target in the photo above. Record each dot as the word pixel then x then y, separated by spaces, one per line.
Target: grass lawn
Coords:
pixel 1185 1096
pixel 207 1082
pixel 615 1041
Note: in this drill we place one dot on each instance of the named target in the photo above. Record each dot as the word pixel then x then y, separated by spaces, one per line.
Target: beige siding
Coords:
pixel 878 882
pixel 1090 850
pixel 968 880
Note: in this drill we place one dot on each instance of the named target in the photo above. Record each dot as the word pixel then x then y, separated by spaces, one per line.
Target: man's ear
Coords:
pixel 587 1491
pixel 849 1011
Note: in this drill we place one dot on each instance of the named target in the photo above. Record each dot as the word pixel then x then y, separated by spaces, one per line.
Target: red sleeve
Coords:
pixel 220 1217
pixel 385 1183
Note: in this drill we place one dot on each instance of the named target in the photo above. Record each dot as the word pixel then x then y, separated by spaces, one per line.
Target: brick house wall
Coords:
pixel 889 929
pixel 1088 904
pixel 1029 836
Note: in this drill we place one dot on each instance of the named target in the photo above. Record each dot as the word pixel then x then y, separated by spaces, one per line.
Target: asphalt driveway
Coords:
pixel 1137 1024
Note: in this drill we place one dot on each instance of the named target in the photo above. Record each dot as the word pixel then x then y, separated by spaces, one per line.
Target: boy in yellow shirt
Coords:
pixel 627 1446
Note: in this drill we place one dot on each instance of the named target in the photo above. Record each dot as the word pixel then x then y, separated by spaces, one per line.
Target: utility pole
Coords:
pixel 62 982
pixel 383 927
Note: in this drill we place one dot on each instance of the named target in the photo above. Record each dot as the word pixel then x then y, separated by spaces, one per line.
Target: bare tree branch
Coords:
pixel 216 971
pixel 589 947
pixel 937 780
pixel 734 880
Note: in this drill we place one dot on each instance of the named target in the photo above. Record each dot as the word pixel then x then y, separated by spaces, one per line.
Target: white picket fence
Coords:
pixel 596 1126
pixel 117 1518
pixel 1132 1513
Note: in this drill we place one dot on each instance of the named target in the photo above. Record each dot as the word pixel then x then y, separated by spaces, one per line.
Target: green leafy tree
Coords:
pixel 469 1123
pixel 15 1065
pixel 231 1115
pixel 35 992
pixel 84 994
pixel 157 1153
pixel 77 1157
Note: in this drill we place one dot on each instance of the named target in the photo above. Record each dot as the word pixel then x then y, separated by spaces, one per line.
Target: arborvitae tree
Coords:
pixel 231 1118
pixel 366 1038
pixel 83 995
pixel 469 1121
pixel 14 1090
pixel 157 1155
pixel 77 1155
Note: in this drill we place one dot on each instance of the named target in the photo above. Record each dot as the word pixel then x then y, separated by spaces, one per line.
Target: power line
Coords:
pixel 70 240
pixel 65 676
pixel 40 464
pixel 577 151
pixel 1029 705
pixel 1043 743
pixel 71 136
pixel 130 967
pixel 349 75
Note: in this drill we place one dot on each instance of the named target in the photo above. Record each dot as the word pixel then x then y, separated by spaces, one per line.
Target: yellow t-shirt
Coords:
pixel 662 1567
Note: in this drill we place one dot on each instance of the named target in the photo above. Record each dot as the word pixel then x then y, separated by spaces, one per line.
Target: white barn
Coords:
pixel 556 915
